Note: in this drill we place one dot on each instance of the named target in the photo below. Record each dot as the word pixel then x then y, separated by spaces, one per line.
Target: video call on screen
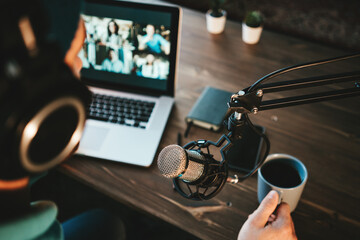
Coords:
pixel 122 46
pixel 136 45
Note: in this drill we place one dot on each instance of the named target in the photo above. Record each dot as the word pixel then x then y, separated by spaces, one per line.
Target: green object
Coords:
pixel 254 19
pixel 216 8
pixel 38 223
pixel 55 232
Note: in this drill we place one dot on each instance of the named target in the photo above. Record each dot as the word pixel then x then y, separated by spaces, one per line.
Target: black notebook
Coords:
pixel 209 109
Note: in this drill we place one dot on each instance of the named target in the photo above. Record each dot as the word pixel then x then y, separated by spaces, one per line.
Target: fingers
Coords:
pixel 272 218
pixel 283 213
pixel 283 222
pixel 268 205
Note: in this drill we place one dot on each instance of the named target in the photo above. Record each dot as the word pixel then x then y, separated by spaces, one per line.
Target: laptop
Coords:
pixel 129 64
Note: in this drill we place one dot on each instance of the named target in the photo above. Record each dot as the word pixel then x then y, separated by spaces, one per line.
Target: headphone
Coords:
pixel 42 105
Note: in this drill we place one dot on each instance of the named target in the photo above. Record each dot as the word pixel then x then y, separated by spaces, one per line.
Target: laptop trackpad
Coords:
pixel 93 137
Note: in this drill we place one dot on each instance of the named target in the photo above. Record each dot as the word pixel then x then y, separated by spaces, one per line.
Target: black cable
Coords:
pixel 276 73
pixel 267 150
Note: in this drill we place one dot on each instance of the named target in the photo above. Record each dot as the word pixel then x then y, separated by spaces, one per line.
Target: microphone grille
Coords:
pixel 172 161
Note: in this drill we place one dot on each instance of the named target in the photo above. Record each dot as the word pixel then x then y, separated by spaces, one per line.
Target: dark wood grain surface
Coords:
pixel 325 136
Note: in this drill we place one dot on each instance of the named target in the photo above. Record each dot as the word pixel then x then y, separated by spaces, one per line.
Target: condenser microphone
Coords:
pixel 177 162
pixel 196 175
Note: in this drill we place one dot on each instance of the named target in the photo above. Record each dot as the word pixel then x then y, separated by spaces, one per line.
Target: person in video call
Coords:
pixel 112 37
pixel 112 62
pixel 150 68
pixel 153 42
pixel 263 223
pixel 90 53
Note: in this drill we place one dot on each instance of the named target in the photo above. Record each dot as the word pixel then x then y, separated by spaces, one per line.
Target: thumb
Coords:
pixel 266 208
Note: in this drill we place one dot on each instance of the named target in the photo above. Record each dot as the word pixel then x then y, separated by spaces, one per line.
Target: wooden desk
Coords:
pixel 325 136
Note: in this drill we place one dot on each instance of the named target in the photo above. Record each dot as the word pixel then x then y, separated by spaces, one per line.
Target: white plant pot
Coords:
pixel 215 25
pixel 251 35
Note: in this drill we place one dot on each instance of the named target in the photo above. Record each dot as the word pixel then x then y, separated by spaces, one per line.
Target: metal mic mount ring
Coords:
pixel 211 183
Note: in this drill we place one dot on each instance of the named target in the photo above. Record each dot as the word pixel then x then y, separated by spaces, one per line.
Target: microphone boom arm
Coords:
pixel 251 102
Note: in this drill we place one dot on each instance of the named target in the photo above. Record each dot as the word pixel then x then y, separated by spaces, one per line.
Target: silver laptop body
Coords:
pixel 128 140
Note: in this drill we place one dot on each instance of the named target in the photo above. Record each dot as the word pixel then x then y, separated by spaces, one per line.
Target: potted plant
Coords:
pixel 216 17
pixel 252 27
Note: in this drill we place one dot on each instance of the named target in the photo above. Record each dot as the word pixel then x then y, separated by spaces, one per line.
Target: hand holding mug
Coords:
pixel 263 223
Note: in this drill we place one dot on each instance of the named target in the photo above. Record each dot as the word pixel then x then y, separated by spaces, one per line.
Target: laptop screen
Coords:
pixel 130 45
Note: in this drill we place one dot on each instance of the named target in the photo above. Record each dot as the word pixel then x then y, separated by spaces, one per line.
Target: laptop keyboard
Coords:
pixel 124 111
